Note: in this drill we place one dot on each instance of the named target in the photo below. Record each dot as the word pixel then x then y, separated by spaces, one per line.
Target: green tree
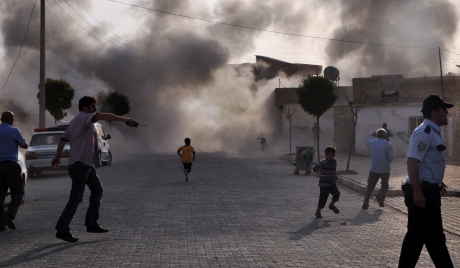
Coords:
pixel 316 96
pixel 113 102
pixel 59 95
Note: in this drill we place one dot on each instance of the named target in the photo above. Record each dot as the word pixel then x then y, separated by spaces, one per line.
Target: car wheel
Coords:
pixel 109 159
pixel 31 173
pixel 38 173
pixel 97 159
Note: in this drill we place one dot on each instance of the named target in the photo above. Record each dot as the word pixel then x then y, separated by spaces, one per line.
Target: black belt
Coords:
pixel 426 187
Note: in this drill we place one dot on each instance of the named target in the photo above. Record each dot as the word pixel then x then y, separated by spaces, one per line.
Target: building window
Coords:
pixel 414 122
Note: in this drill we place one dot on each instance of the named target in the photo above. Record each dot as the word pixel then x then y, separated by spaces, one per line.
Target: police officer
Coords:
pixel 423 188
pixel 10 171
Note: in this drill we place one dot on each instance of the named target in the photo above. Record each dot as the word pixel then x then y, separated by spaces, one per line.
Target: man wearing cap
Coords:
pixel 10 171
pixel 424 186
pixel 381 156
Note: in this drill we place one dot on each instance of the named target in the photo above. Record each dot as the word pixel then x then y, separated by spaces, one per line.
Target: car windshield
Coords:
pixel 45 139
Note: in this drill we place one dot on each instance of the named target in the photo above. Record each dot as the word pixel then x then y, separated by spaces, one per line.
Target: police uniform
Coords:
pixel 424 225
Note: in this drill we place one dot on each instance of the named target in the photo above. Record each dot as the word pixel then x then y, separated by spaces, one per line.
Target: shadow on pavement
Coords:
pixel 365 217
pixel 314 225
pixel 41 252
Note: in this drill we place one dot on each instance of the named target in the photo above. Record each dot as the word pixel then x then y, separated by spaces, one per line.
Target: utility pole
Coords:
pixel 42 93
pixel 440 67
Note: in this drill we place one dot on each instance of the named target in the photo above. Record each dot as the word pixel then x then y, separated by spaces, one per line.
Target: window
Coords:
pixel 414 122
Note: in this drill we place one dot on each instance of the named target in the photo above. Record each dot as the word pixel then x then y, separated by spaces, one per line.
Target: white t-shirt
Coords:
pixel 80 134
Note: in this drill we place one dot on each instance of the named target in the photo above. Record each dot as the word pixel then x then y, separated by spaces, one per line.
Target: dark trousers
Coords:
pixel 372 181
pixel 82 175
pixel 10 177
pixel 187 166
pixel 324 194
pixel 424 227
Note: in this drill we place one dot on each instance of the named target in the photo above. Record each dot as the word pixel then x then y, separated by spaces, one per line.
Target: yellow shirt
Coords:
pixel 187 151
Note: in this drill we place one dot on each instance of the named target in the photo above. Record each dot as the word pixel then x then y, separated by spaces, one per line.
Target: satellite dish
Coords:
pixel 331 73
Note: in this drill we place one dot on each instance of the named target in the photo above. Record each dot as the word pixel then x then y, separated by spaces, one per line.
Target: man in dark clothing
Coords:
pixel 10 171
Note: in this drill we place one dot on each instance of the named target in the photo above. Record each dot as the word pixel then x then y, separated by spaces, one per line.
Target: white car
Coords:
pixel 42 149
pixel 22 163
pixel 102 154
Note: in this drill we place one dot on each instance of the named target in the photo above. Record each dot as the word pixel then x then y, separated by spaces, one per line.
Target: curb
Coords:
pixel 359 187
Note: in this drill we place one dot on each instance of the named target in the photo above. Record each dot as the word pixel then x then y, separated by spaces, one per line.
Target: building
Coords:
pixel 390 99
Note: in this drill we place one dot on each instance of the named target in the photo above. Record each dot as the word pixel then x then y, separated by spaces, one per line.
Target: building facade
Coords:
pixel 390 99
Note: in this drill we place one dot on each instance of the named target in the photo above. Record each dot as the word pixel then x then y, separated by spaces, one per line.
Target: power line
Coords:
pixel 270 31
pixel 102 42
pixel 93 27
pixel 23 40
pixel 102 23
pixel 450 51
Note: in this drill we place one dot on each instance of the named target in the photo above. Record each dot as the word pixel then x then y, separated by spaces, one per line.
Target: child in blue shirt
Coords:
pixel 327 184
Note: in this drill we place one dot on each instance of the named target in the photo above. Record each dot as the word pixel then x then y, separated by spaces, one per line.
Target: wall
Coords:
pixel 301 128
pixel 397 118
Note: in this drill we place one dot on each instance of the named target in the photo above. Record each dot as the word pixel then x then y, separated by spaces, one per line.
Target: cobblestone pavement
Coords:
pixel 236 211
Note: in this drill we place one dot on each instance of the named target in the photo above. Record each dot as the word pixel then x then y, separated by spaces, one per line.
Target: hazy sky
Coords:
pixel 175 69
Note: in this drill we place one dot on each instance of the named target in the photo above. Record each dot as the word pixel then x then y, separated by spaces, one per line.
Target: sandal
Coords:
pixel 335 209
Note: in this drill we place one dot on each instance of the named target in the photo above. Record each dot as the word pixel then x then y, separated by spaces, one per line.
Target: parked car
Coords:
pixel 42 149
pixel 22 163
pixel 102 154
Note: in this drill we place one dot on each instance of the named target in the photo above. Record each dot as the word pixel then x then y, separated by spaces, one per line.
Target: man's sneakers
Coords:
pixel 66 237
pixel 335 209
pixel 96 229
pixel 381 204
pixel 318 215
pixel 365 206
pixel 9 222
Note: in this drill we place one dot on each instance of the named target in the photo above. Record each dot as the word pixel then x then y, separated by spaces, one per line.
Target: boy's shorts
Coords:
pixel 187 166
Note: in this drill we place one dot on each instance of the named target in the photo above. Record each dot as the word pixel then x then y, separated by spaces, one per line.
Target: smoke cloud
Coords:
pixel 429 24
pixel 175 70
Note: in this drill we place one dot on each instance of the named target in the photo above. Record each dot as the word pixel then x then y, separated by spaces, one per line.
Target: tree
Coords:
pixel 355 110
pixel 59 95
pixel 113 102
pixel 316 96
pixel 288 116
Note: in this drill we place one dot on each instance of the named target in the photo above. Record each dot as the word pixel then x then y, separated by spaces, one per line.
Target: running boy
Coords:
pixel 186 157
pixel 327 184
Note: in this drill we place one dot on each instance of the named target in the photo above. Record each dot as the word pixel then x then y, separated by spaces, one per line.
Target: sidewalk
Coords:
pixel 357 180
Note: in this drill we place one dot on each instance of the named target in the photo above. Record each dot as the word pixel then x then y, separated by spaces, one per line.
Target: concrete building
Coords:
pixel 390 99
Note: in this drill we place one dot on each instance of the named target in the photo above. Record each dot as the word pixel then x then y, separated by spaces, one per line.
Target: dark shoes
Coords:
pixel 9 222
pixel 66 237
pixel 335 209
pixel 381 204
pixel 96 229
pixel 318 215
pixel 365 206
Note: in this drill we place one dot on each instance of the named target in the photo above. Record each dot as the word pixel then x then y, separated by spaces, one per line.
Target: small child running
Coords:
pixel 186 157
pixel 327 184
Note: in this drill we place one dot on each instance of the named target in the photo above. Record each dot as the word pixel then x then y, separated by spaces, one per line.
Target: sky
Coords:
pixel 175 68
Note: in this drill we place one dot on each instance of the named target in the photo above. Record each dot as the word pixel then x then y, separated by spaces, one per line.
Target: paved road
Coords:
pixel 246 211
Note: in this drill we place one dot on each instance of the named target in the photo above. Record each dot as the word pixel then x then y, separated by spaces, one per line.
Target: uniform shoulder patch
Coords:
pixel 427 129
pixel 421 147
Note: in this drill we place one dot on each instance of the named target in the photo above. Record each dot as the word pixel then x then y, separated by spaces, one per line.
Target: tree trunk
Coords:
pixel 290 146
pixel 317 137
pixel 355 121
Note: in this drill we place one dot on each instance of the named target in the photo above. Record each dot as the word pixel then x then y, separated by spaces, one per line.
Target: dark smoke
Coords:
pixel 430 24
pixel 175 74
